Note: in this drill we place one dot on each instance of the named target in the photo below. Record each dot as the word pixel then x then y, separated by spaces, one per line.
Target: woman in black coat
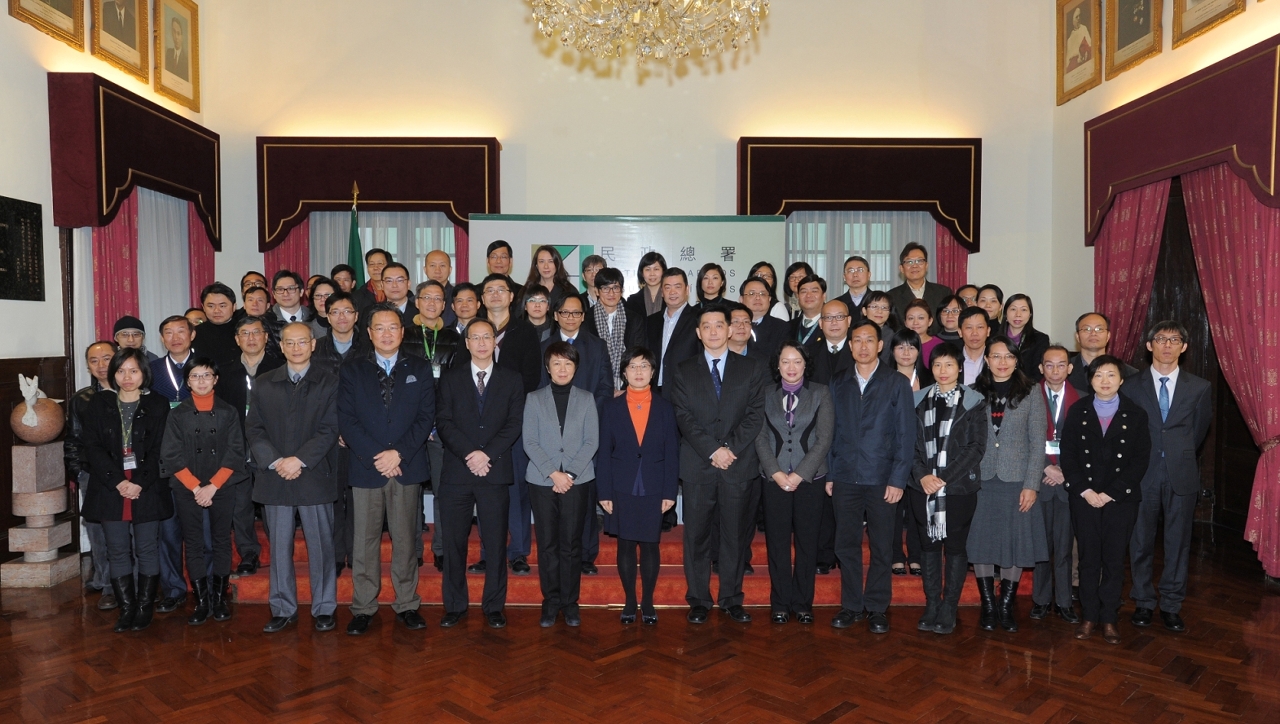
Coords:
pixel 204 454
pixel 122 434
pixel 942 494
pixel 637 471
pixel 1106 448
pixel 1019 327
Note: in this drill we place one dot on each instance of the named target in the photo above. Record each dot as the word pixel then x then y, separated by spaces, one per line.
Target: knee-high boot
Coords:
pixel 931 580
pixel 218 599
pixel 201 588
pixel 126 597
pixel 1005 611
pixel 957 571
pixel 147 586
pixel 987 591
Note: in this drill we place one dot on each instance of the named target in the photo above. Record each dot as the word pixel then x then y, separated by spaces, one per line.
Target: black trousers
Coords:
pixel 960 510
pixel 854 503
pixel 1179 512
pixel 904 524
pixel 491 504
pixel 344 528
pixel 557 521
pixel 191 516
pixel 792 518
pixel 1102 538
pixel 733 506
pixel 246 532
pixel 125 539
pixel 827 534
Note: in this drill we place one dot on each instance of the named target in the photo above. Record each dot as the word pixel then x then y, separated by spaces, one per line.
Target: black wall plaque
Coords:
pixel 21 250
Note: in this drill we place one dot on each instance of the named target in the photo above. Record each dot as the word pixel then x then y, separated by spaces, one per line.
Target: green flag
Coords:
pixel 355 255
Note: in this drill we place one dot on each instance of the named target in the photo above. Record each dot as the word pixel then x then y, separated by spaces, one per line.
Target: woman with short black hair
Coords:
pixel 711 283
pixel 790 286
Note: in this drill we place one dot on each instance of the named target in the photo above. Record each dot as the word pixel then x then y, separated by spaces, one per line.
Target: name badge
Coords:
pixel 174 404
pixel 435 370
pixel 130 462
pixel 1051 447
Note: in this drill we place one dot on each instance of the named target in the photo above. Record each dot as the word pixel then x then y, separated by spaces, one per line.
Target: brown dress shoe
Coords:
pixel 1110 633
pixel 1084 630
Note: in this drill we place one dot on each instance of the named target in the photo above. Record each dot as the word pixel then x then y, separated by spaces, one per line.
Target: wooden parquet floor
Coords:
pixel 59 662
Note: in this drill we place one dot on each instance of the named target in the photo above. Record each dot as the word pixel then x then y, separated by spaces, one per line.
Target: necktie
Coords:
pixel 790 409
pixel 571 341
pixel 295 378
pixel 1053 402
pixel 480 384
pixel 293 317
pixel 1164 399
pixel 715 376
pixel 386 365
pixel 834 349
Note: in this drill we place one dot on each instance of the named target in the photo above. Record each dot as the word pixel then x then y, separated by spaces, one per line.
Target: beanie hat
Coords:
pixel 127 322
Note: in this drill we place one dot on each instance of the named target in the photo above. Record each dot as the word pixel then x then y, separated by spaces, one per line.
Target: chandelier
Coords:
pixel 665 30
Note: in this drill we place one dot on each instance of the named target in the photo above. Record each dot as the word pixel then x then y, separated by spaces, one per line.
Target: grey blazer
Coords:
pixel 548 449
pixel 803 448
pixel 1017 453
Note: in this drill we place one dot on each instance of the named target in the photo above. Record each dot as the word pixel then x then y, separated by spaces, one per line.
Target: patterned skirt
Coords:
pixel 1000 534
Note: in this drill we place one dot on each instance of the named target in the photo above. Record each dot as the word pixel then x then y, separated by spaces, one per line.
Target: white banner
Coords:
pixel 734 242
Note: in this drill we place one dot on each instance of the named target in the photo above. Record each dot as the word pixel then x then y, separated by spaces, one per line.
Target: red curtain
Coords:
pixel 951 259
pixel 461 254
pixel 200 252
pixel 115 268
pixel 294 253
pixel 1237 248
pixel 1124 263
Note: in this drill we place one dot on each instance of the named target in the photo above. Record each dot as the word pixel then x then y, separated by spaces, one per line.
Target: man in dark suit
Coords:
pixel 1179 409
pixel 120 21
pixel 1052 581
pixel 437 266
pixel 1093 335
pixel 292 431
pixel 913 263
pixel 672 333
pixel 177 59
pixel 767 331
pixel 718 398
pixel 375 260
pixel 857 282
pixel 830 356
pixel 812 294
pixel 870 463
pixel 395 285
pixel 479 418
pixel 170 382
pixel 386 410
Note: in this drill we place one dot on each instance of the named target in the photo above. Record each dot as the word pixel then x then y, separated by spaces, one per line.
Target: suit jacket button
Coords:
pixel 561 449
pixel 639 455
pixel 1119 455
pixel 1127 490
pixel 997 444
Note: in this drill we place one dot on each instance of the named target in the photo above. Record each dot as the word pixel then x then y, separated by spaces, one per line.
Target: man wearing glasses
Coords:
pixel 286 287
pixel 767 331
pixel 1093 334
pixel 913 263
pixel 857 280
pixel 1179 411
pixel 609 319
pixel 395 285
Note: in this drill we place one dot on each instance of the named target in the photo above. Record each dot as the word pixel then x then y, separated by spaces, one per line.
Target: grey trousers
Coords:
pixel 101 580
pixel 1179 512
pixel 125 539
pixel 399 504
pixel 317 529
pixel 1052 582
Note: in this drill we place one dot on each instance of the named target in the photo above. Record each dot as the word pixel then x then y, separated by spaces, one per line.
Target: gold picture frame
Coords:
pixel 176 63
pixel 122 35
pixel 1193 18
pixel 1079 26
pixel 1134 33
pixel 61 19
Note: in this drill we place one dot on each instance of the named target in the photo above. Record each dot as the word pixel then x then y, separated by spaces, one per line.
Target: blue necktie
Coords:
pixel 386 365
pixel 1164 399
pixel 571 339
pixel 715 376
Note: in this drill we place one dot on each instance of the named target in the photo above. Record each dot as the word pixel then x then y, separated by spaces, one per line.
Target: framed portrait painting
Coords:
pixel 1196 17
pixel 120 35
pixel 1133 33
pixel 177 51
pixel 1079 47
pixel 62 19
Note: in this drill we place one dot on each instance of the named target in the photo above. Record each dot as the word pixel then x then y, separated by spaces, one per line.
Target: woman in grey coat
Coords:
pixel 1008 531
pixel 561 434
pixel 792 446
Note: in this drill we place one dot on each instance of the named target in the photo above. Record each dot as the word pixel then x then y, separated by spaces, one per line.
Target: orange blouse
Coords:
pixel 638 405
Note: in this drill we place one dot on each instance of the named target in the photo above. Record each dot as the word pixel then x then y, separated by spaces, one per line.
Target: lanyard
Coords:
pixel 168 367
pixel 430 349
pixel 126 429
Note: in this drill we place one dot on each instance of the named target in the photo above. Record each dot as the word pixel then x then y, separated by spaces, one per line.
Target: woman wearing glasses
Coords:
pixel 765 271
pixel 204 455
pixel 318 297
pixel 878 307
pixel 948 316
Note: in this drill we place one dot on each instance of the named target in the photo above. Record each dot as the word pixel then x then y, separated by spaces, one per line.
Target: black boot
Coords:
pixel 218 599
pixel 1005 610
pixel 127 600
pixel 931 579
pixel 957 569
pixel 201 614
pixel 147 586
pixel 987 591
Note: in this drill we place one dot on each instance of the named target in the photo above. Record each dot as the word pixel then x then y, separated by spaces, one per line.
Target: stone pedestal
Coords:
pixel 39 494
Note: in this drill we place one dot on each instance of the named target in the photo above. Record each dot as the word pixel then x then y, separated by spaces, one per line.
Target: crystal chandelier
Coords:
pixel 665 30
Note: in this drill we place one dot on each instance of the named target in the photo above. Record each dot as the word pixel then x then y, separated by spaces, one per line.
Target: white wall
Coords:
pixel 34 329
pixel 1071 259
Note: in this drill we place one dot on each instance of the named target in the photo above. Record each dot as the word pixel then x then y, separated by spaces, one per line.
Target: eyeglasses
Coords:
pixel 491 291
pixel 128 335
pixel 535 300
pixel 856 270
pixel 296 343
pixel 1003 357
pixel 878 307
pixel 834 317
pixel 499 257
pixel 251 333
pixel 610 288
pixel 431 298
pixel 480 337
pixel 287 290
pixel 569 313
pixel 342 312
pixel 394 280
pixel 915 262
pixel 951 312
pixel 1167 340
pixel 740 323
pixel 200 376
pixel 639 366
pixel 386 328
pixel 756 293
pixel 320 296
pixel 1097 329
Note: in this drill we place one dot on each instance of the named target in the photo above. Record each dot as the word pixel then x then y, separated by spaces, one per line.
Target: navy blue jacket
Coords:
pixel 163 384
pixel 369 427
pixel 594 373
pixel 875 439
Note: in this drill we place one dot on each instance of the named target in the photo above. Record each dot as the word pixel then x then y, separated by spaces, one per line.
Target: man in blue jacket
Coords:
pixel 386 409
pixel 868 467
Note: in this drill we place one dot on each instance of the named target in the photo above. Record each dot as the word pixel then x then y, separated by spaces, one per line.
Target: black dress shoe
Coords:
pixel 898 569
pixel 780 617
pixel 738 614
pixel 325 623
pixel 496 619
pixel 824 570
pixel 748 570
pixel 438 562
pixel 697 614
pixel 1039 611
pixel 451 619
pixel 627 619
pixel 804 617
pixel 412 620
pixel 650 619
pixel 278 623
pixel 107 601
pixel 1068 614
pixel 477 567
pixel 1142 617
pixel 549 619
pixel 1173 621
pixel 520 566
pixel 589 569
pixel 878 623
pixel 914 569
pixel 847 618
pixel 169 604
pixel 573 618
pixel 248 565
pixel 359 625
